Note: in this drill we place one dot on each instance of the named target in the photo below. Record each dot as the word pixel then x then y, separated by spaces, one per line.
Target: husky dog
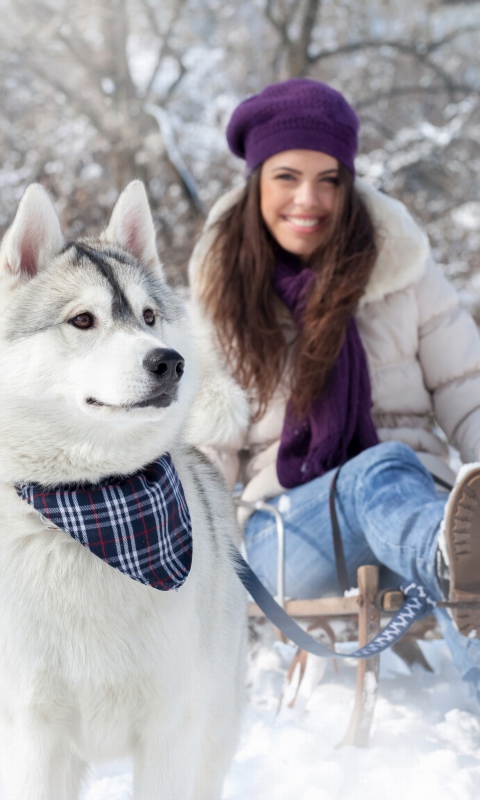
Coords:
pixel 94 665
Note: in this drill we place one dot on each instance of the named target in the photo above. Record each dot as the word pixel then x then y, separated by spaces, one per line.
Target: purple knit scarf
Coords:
pixel 338 426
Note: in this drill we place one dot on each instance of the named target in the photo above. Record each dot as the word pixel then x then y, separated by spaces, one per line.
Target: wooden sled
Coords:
pixel 367 609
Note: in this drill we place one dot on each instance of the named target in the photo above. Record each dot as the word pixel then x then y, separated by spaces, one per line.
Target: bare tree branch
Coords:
pixel 308 24
pixel 115 31
pixel 176 82
pixel 450 37
pixel 298 56
pixel 83 54
pixel 410 48
pixel 296 48
pixel 151 16
pixel 281 28
pixel 165 48
pixel 78 102
pixel 164 37
pixel 400 91
pixel 84 59
pixel 175 157
pixel 446 79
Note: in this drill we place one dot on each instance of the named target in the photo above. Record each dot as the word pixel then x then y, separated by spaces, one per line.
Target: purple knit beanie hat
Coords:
pixel 296 114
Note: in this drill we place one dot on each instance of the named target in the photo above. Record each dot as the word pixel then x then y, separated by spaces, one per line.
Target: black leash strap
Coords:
pixel 441 482
pixel 417 604
pixel 340 563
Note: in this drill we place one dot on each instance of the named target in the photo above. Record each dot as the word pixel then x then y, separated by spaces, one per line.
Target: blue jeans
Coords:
pixel 389 515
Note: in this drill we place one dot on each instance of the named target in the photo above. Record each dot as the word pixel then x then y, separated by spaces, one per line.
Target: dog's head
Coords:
pixel 96 365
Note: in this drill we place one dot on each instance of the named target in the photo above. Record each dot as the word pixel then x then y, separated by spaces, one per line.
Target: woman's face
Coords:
pixel 298 189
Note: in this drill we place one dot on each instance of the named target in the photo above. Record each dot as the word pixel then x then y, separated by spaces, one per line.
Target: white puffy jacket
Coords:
pixel 423 353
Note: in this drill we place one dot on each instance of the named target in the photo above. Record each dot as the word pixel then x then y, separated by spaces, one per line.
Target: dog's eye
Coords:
pixel 82 321
pixel 149 316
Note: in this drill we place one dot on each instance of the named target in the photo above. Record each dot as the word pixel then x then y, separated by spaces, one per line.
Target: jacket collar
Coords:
pixel 403 248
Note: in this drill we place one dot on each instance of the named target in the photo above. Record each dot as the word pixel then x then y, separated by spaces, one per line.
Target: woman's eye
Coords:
pixel 333 181
pixel 82 321
pixel 286 177
pixel 149 316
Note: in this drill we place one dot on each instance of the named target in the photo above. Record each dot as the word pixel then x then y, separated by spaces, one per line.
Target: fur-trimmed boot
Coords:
pixel 460 546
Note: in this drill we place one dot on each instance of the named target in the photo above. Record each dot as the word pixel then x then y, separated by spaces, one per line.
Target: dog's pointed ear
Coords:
pixel 131 226
pixel 34 237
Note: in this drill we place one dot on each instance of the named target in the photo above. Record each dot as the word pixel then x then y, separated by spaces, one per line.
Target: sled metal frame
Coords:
pixel 366 607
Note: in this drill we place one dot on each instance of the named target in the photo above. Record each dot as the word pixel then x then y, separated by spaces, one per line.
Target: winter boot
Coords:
pixel 461 540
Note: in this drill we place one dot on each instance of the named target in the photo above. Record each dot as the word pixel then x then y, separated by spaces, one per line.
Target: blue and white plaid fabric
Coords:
pixel 139 525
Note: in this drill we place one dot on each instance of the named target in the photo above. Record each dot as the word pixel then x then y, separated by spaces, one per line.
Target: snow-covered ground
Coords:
pixel 425 740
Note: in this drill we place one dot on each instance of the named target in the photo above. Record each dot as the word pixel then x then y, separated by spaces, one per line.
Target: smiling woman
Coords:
pixel 300 207
pixel 330 313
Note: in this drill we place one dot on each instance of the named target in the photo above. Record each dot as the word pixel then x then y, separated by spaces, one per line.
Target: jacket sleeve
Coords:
pixel 449 354
pixel 220 415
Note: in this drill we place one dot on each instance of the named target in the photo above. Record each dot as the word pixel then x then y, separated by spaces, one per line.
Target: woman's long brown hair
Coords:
pixel 238 294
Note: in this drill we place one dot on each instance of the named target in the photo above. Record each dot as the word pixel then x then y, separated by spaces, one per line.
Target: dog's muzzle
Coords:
pixel 167 367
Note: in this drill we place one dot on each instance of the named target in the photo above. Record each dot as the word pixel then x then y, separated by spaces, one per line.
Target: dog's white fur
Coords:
pixel 92 664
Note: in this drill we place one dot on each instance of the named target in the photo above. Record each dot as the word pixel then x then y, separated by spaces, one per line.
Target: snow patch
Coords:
pixel 425 739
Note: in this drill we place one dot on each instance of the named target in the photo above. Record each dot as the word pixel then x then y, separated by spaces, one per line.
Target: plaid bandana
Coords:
pixel 139 525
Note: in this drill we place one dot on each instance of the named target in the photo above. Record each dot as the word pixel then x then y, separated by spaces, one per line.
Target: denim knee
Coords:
pixel 393 453
pixel 388 464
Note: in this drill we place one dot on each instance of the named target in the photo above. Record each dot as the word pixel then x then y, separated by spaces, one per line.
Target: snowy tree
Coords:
pixel 98 92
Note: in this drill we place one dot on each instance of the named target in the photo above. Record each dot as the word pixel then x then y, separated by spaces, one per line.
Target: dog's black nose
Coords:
pixel 166 365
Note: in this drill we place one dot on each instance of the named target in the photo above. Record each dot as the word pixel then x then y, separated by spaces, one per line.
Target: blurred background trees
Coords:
pixel 96 92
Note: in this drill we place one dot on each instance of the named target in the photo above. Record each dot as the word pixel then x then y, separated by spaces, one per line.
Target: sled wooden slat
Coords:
pixel 367 669
pixel 320 607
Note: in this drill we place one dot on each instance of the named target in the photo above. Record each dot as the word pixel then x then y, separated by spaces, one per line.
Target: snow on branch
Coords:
pixel 174 155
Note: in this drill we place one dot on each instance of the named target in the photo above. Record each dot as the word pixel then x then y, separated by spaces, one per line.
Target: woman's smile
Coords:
pixel 306 225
